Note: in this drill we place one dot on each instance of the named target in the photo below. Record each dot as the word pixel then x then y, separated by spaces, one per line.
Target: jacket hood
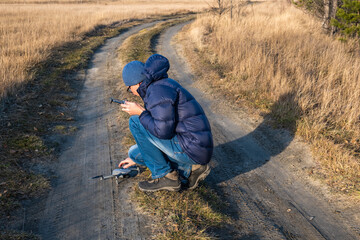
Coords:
pixel 155 68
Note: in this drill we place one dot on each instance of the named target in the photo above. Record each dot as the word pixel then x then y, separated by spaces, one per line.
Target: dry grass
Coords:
pixel 139 46
pixel 28 32
pixel 189 214
pixel 155 4
pixel 271 50
pixel 18 235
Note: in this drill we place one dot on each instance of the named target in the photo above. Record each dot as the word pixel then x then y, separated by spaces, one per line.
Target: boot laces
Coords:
pixel 154 180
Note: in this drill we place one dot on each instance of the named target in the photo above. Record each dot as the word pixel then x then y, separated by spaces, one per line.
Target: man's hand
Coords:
pixel 126 163
pixel 132 108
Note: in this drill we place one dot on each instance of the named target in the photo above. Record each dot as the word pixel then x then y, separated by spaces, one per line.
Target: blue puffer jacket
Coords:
pixel 171 110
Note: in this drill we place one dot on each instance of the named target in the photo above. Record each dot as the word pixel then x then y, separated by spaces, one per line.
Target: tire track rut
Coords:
pixel 79 207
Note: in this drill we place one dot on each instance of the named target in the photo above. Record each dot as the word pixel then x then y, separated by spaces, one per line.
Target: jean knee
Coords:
pixel 135 155
pixel 133 151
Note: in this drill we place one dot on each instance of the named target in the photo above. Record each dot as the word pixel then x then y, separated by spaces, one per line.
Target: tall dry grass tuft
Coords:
pixel 269 50
pixel 28 32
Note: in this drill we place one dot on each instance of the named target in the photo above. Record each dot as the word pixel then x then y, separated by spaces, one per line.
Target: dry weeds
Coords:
pixel 270 52
pixel 28 32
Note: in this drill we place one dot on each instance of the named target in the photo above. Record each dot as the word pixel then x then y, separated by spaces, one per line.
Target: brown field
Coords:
pixel 28 32
pixel 276 52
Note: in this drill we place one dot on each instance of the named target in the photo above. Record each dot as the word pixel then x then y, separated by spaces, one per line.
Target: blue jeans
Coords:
pixel 161 156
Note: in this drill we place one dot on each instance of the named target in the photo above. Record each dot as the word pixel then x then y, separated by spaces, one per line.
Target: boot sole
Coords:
pixel 201 177
pixel 171 189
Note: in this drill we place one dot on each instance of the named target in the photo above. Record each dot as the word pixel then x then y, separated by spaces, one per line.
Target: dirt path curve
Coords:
pixel 258 171
pixel 254 168
pixel 79 207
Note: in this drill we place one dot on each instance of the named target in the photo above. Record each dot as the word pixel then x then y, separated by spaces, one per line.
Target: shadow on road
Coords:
pixel 256 148
pixel 250 152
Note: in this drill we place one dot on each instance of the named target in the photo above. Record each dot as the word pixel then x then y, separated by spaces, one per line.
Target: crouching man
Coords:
pixel 172 134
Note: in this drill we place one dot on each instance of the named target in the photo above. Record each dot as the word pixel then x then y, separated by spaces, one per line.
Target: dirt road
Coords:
pixel 257 170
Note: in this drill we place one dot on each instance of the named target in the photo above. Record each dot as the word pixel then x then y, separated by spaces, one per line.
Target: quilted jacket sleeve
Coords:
pixel 159 116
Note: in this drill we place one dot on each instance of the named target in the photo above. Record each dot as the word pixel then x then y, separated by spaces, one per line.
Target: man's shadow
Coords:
pixel 254 149
pixel 251 151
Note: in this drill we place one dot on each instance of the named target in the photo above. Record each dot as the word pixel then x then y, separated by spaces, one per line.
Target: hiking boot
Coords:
pixel 198 173
pixel 169 182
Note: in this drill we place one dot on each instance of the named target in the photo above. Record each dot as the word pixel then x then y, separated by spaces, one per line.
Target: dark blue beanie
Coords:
pixel 132 73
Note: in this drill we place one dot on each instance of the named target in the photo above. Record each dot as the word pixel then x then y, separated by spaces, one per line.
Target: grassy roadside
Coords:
pixel 13 235
pixel 36 120
pixel 336 150
pixel 184 215
pixel 139 46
